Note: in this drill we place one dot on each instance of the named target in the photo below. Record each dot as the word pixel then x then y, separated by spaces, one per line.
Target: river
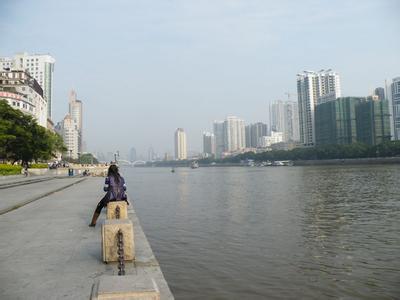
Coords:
pixel 319 232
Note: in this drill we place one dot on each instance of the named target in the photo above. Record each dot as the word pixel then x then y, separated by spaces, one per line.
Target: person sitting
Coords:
pixel 115 187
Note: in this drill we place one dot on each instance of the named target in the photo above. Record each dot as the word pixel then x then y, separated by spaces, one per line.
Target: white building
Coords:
pixel 75 111
pixel 180 144
pixel 70 134
pixel 313 87
pixel 23 92
pixel 39 66
pixel 274 138
pixel 395 87
pixel 234 135
pixel 284 117
pixel 209 149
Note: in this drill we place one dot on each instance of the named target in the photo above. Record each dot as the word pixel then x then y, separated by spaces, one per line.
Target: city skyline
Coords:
pixel 187 65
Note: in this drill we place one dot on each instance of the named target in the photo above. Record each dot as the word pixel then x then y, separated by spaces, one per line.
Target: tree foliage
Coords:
pixel 355 150
pixel 21 138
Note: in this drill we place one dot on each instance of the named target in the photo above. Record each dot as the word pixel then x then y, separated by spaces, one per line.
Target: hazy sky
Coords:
pixel 144 68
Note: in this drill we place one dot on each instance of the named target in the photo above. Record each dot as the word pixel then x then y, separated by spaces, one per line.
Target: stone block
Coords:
pixel 129 287
pixel 123 209
pixel 109 232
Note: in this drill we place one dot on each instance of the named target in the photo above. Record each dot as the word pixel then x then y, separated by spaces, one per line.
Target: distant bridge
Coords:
pixel 131 163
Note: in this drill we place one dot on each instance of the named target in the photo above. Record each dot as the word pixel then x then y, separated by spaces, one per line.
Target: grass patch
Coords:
pixel 10 169
pixel 38 166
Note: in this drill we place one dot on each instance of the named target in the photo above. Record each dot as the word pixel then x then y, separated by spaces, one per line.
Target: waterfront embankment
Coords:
pixel 47 250
pixel 348 161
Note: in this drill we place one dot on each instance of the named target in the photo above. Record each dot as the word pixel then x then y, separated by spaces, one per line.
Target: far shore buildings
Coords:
pixel 314 88
pixel 180 144
pixel 39 66
pixel 76 113
pixel 209 149
pixel 230 136
pixel 284 117
pixel 23 92
pixel 395 88
pixel 347 120
pixel 70 128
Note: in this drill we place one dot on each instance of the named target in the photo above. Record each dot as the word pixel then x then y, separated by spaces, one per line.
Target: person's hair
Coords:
pixel 113 171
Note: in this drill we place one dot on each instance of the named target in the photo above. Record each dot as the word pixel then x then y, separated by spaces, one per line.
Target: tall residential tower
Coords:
pixel 180 144
pixel 314 88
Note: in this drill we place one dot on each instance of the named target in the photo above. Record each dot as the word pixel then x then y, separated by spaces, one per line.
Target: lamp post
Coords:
pixel 116 154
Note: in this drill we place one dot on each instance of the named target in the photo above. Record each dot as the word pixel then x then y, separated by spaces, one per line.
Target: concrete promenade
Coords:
pixel 47 250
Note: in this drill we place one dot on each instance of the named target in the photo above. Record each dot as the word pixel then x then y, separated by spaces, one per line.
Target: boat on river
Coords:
pixel 194 165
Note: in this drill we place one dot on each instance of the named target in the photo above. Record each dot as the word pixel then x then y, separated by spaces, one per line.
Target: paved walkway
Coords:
pixel 17 196
pixel 47 250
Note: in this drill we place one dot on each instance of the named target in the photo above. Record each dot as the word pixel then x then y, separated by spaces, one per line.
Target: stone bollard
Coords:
pixel 109 233
pixel 130 287
pixel 112 208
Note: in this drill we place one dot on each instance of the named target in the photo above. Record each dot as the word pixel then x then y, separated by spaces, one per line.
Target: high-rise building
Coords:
pixel 219 133
pixel 380 92
pixel 395 87
pixel 209 149
pixel 70 136
pixel 40 67
pixel 373 121
pixel 76 113
pixel 151 155
pixel 284 117
pixel 22 92
pixel 132 155
pixel 277 116
pixel 180 144
pixel 335 121
pixel 234 135
pixel 314 88
pixel 253 134
pixel 291 133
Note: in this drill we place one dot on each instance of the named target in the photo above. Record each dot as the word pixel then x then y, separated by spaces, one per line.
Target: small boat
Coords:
pixel 172 170
pixel 194 165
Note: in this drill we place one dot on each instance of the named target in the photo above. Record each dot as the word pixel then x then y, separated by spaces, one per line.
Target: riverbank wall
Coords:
pixel 348 161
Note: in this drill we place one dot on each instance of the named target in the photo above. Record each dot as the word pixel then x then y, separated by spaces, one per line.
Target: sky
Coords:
pixel 144 68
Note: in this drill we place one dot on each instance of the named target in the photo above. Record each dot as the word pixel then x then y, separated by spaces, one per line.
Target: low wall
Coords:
pixel 348 161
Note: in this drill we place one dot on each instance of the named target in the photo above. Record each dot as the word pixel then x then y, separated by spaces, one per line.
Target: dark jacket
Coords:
pixel 115 190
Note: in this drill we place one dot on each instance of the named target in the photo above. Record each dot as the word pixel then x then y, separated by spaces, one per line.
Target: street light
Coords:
pixel 115 156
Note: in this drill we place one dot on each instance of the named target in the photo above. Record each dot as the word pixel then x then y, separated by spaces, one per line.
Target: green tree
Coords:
pixel 21 138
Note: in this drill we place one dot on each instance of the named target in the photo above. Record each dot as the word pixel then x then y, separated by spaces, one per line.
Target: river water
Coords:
pixel 273 233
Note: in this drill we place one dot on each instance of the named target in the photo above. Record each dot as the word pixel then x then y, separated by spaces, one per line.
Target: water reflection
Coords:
pixel 279 233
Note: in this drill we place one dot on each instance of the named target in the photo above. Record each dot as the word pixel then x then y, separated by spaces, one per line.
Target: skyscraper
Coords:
pixel 395 87
pixel 234 135
pixel 75 111
pixel 373 121
pixel 219 132
pixel 209 149
pixel 132 155
pixel 253 134
pixel 284 117
pixel 313 88
pixel 40 67
pixel 180 144
pixel 380 92
pixel 335 121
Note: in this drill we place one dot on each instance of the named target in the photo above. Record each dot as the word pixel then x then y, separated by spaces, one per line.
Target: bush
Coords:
pixel 10 169
pixel 38 166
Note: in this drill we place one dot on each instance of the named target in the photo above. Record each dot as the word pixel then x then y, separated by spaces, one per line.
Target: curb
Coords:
pixel 16 206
